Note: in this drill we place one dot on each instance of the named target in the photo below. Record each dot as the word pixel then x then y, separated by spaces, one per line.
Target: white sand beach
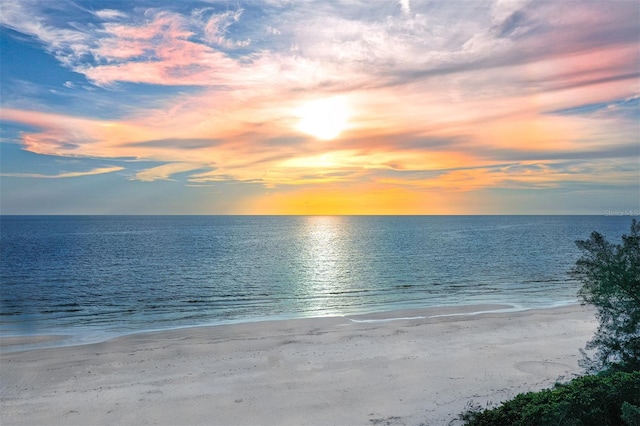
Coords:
pixel 361 370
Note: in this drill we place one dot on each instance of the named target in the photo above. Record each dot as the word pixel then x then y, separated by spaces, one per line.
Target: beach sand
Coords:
pixel 358 370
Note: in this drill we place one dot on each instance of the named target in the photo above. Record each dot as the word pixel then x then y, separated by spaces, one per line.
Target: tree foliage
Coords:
pixel 631 414
pixel 597 400
pixel 610 276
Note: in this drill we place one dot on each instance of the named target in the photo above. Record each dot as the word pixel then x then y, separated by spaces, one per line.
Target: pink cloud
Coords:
pixel 157 51
pixel 451 78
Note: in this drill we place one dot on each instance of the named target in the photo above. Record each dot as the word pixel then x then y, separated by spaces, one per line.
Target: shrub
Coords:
pixel 598 400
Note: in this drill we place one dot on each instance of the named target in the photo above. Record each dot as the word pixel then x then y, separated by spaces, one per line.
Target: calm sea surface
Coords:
pixel 108 275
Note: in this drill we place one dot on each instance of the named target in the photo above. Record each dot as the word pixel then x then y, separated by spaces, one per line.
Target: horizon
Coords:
pixel 342 108
pixel 630 214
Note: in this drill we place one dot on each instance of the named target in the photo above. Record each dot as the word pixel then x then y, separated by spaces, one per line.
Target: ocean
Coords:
pixel 95 277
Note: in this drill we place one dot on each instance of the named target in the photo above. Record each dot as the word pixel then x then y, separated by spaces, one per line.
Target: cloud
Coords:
pixel 216 27
pixel 66 44
pixel 520 175
pixel 98 171
pixel 432 88
pixel 156 47
pixel 627 107
pixel 110 14
pixel 405 7
pixel 165 171
pixel 335 45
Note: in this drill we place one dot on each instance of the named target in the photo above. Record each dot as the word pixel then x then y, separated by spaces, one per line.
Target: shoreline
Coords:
pixel 81 336
pixel 422 368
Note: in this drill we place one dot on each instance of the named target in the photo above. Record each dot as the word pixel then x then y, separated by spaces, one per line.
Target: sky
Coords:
pixel 320 107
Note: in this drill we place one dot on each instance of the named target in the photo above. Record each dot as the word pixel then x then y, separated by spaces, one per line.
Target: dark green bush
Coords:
pixel 590 400
pixel 631 414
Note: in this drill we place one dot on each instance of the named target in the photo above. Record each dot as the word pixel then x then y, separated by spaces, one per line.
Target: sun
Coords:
pixel 324 118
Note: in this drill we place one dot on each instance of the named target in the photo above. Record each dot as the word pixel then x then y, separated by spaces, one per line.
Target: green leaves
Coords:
pixel 610 276
pixel 606 399
pixel 630 414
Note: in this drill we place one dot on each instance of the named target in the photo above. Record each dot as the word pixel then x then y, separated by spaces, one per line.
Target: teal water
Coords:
pixel 109 275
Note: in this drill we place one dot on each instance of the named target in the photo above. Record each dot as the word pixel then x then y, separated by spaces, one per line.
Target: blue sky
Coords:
pixel 320 107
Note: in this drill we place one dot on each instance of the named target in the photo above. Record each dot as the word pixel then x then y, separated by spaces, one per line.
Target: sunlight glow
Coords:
pixel 324 119
pixel 326 264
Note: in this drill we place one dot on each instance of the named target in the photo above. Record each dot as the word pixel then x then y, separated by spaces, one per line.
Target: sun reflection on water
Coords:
pixel 325 259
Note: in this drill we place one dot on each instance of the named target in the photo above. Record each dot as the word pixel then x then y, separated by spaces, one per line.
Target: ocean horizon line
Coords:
pixel 630 214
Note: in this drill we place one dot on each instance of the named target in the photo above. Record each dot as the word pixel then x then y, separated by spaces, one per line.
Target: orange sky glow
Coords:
pixel 434 108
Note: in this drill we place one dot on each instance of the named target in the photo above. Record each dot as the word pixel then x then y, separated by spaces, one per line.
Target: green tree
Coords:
pixel 610 276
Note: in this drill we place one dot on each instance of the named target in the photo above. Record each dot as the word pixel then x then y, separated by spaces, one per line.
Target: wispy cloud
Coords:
pixel 165 171
pixel 110 14
pixel 98 171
